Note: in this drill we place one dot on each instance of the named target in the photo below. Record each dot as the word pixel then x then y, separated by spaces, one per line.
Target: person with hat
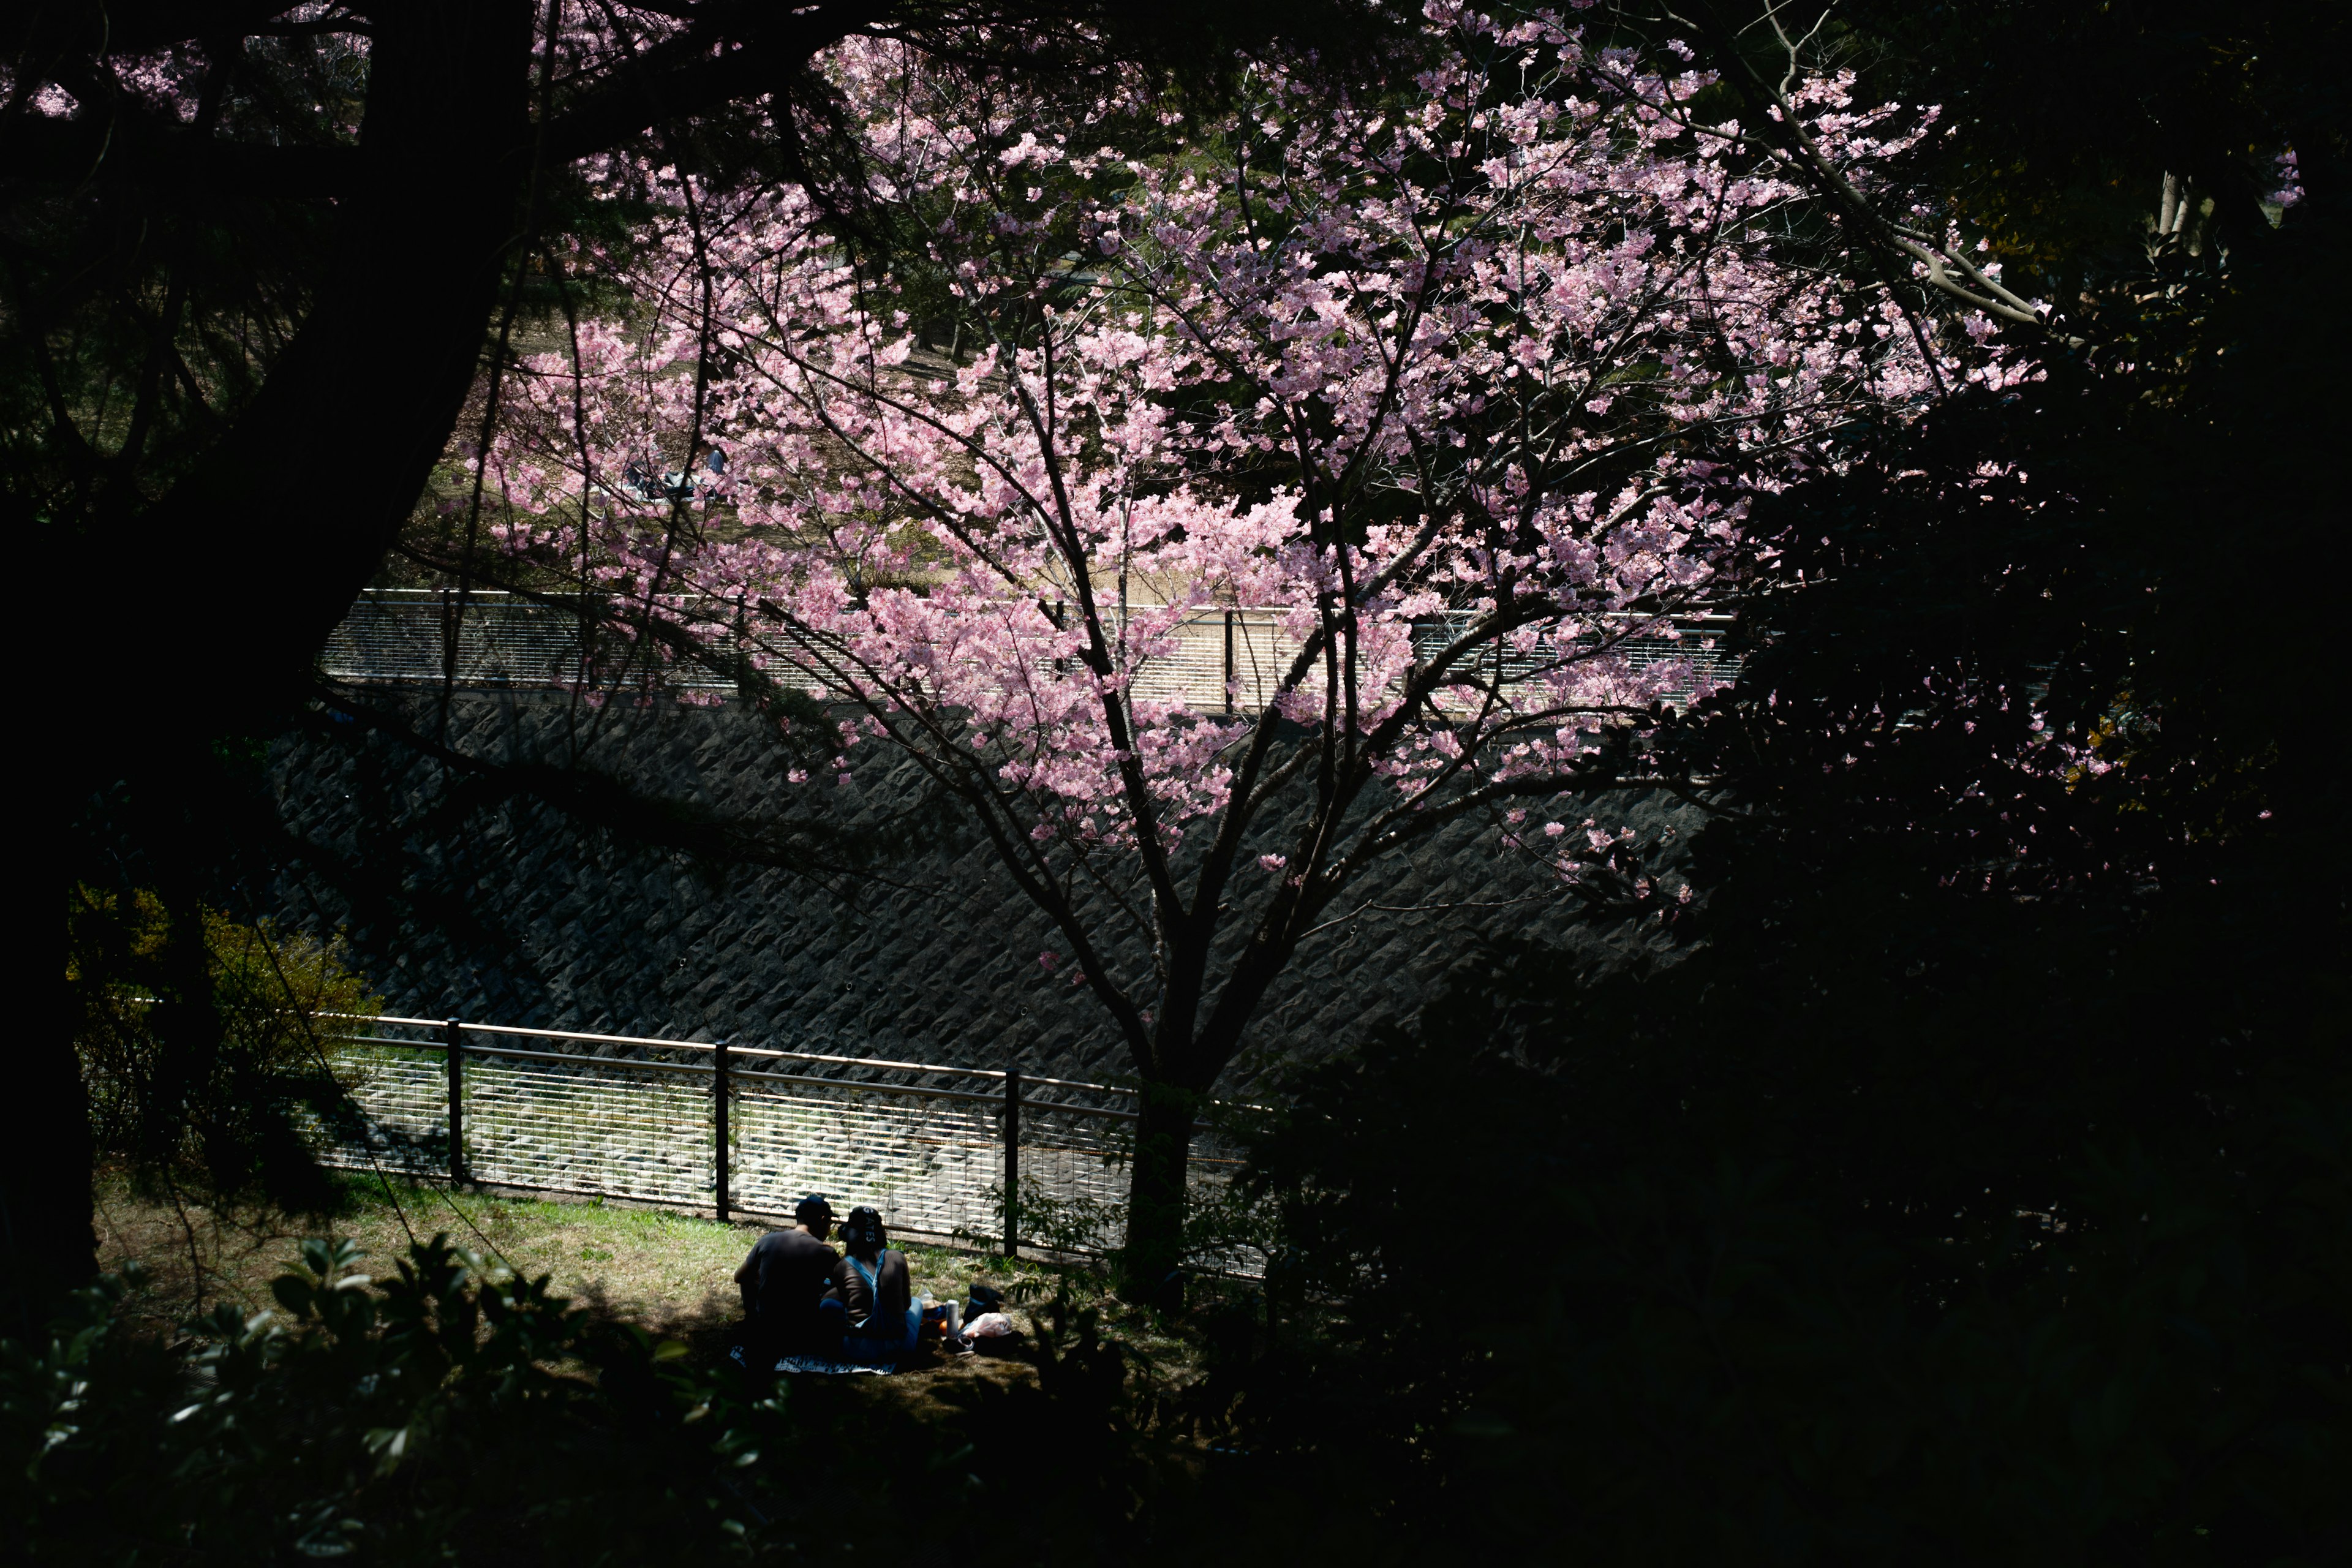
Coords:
pixel 783 1281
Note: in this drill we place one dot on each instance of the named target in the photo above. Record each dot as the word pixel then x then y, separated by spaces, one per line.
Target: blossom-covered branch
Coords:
pixel 1468 377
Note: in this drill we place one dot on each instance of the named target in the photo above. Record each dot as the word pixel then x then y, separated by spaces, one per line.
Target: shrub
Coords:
pixel 198 1035
pixel 1689 1350
pixel 449 1408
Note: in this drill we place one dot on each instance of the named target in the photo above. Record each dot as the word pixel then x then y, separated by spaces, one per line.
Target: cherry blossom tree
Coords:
pixel 256 254
pixel 1468 375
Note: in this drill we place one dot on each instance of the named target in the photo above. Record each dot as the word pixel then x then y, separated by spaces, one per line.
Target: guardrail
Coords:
pixel 729 1133
pixel 405 635
pixel 1222 660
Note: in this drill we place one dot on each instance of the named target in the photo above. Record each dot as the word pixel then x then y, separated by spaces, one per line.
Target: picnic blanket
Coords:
pixel 822 1365
pixel 816 1364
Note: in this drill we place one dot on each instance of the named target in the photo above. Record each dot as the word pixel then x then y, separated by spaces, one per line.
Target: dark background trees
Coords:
pixel 1975 1182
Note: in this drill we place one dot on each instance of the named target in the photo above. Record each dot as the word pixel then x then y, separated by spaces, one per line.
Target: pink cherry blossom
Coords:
pixel 1452 400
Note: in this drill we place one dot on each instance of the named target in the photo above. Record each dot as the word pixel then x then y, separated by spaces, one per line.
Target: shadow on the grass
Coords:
pixel 710 1328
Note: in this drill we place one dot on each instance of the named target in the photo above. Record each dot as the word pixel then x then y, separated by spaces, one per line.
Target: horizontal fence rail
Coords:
pixel 741 1131
pixel 1220 660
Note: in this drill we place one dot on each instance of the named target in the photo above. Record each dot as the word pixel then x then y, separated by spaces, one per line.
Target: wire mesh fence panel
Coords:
pixel 1074 1184
pixel 933 1160
pixel 927 1164
pixel 393 1113
pixel 1225 1239
pixel 1262 655
pixel 501 639
pixel 1193 671
pixel 603 1129
pixel 404 634
pixel 1073 1178
pixel 1698 642
pixel 1220 660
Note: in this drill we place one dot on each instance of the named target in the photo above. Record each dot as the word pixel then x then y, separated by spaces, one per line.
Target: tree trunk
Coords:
pixel 197 617
pixel 239 573
pixel 1155 1202
pixel 47 1246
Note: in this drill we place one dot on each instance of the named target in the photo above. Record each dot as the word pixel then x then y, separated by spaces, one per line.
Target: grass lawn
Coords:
pixel 673 1274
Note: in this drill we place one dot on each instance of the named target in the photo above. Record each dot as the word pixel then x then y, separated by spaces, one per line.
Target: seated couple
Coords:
pixel 803 1299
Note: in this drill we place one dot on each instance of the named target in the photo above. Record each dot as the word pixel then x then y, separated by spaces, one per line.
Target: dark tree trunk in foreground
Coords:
pixel 48 1245
pixel 250 559
pixel 206 609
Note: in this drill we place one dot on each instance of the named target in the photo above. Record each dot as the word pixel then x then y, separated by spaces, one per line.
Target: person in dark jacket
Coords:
pixel 783 1281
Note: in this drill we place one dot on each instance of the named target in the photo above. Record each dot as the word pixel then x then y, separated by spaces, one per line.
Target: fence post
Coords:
pixel 456 1053
pixel 1229 661
pixel 719 1122
pixel 1012 1162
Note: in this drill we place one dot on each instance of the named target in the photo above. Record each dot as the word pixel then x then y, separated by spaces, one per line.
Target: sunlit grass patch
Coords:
pixel 670 1272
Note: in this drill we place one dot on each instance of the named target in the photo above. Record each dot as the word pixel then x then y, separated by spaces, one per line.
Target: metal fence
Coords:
pixel 501 639
pixel 1221 659
pixel 740 1131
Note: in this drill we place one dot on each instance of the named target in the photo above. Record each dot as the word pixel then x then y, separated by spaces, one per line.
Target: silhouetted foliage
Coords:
pixel 448 1407
pixel 1975 1180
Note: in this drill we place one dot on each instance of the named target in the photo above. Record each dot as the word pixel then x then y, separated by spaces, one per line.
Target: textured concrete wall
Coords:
pixel 460 900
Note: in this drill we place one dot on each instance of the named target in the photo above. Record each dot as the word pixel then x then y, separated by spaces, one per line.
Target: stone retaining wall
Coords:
pixel 462 899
